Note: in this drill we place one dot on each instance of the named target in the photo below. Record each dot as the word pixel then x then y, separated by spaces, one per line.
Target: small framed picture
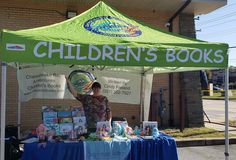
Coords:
pixel 103 125
pixel 148 127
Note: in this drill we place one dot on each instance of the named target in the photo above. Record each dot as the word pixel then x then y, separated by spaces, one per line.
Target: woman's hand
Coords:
pixel 67 79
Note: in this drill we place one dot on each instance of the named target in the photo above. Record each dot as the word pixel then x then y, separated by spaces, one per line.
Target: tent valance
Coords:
pixel 103 36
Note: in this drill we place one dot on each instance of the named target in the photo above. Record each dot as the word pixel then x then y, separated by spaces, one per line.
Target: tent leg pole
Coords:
pixel 3 108
pixel 141 98
pixel 226 114
pixel 19 115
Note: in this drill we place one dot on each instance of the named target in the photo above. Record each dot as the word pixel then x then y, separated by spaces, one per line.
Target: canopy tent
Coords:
pixel 107 39
pixel 103 36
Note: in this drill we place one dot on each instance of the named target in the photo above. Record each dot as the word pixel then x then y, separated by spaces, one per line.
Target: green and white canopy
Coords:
pixel 104 37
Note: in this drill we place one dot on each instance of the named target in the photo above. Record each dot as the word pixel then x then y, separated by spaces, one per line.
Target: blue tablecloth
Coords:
pixel 162 148
pixel 54 151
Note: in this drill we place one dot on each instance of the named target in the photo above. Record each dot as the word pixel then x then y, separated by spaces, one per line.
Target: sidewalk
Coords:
pixel 218 127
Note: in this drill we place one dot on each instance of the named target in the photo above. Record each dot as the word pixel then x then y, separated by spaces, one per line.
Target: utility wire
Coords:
pixel 220 34
pixel 214 25
pixel 217 19
pixel 220 31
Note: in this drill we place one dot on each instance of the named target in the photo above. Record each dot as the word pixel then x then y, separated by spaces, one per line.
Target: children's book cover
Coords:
pixel 77 112
pixel 66 128
pixel 54 127
pixel 64 114
pixel 79 120
pixel 65 120
pixel 80 128
pixel 50 120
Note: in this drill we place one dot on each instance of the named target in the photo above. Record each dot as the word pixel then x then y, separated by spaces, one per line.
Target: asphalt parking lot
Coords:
pixel 215 110
pixel 206 153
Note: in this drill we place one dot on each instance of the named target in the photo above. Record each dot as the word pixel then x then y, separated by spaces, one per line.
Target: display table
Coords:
pixel 162 148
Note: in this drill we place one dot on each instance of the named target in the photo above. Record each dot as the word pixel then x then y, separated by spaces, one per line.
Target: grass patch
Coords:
pixel 233 91
pixel 201 132
pixel 232 123
pixel 217 96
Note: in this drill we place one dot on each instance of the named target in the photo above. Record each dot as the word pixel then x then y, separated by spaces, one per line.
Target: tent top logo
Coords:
pixel 112 26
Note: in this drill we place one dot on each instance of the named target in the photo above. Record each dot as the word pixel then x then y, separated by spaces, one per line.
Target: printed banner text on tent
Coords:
pixel 49 83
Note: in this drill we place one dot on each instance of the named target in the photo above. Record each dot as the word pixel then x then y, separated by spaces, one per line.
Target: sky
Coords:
pixel 220 26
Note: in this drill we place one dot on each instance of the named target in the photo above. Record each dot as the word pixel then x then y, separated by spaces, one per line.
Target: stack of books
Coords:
pixel 64 119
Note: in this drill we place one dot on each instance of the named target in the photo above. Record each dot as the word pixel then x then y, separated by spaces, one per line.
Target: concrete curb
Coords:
pixel 205 98
pixel 203 142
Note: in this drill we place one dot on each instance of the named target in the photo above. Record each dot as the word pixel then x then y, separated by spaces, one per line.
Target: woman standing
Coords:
pixel 95 106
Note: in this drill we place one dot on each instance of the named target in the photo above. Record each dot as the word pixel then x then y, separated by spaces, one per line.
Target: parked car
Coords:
pixel 217 88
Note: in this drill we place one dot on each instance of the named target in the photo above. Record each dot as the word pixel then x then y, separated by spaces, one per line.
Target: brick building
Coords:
pixel 23 14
